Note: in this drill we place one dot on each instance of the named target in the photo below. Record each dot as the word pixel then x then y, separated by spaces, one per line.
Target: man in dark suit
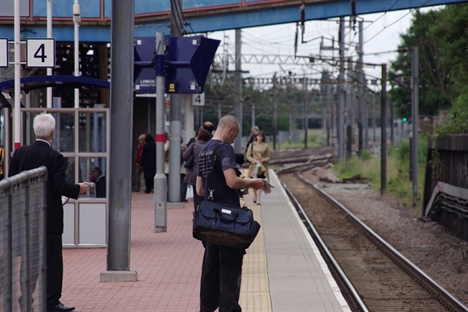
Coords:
pixel 96 176
pixel 33 156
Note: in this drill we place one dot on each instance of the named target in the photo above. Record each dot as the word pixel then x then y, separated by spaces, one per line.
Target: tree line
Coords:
pixel 442 39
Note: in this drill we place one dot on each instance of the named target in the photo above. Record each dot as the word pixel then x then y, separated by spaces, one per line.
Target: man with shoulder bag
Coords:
pixel 217 181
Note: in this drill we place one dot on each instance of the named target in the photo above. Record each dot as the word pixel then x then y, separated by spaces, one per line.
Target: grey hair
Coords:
pixel 43 125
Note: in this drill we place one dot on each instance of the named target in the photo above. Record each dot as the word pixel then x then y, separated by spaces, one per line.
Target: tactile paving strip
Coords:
pixel 255 292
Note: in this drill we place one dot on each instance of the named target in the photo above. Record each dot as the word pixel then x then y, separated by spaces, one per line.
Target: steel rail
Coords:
pixel 441 294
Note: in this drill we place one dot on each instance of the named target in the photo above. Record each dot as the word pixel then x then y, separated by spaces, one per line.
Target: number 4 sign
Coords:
pixel 198 99
pixel 40 52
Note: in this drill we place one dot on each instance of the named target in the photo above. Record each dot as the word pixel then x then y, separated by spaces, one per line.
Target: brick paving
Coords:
pixel 168 266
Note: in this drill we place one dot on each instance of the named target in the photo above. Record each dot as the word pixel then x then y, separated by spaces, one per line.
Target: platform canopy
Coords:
pixel 40 82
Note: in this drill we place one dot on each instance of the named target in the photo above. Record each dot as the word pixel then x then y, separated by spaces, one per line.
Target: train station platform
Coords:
pixel 283 269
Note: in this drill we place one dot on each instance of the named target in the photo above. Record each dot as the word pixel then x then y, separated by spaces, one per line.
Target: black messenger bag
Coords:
pixel 223 224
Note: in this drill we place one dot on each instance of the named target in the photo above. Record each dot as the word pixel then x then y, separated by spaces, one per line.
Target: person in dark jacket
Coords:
pixel 96 176
pixel 28 157
pixel 148 162
pixel 194 149
pixel 139 168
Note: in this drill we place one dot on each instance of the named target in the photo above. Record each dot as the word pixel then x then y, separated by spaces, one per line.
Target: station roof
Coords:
pixel 39 82
pixel 202 15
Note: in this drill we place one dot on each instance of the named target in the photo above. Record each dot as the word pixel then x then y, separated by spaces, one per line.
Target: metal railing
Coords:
pixel 22 241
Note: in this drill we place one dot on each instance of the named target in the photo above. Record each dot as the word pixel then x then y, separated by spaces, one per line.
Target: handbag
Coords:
pixel 189 193
pixel 224 224
pixel 189 162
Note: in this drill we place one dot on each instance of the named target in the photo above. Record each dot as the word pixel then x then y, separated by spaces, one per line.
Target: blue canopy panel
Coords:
pixel 203 15
pixel 39 82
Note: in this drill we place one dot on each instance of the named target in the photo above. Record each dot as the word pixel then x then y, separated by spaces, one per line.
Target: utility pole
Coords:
pixel 331 105
pixel 252 122
pixel 383 129
pixel 306 119
pixel 392 129
pixel 415 118
pixel 238 93
pixel 274 110
pixel 363 124
pixel 349 110
pixel 121 110
pixel 160 179
pixel 341 94
pixel 324 93
pixel 175 115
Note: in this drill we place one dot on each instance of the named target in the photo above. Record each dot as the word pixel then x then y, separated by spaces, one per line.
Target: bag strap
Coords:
pixel 214 158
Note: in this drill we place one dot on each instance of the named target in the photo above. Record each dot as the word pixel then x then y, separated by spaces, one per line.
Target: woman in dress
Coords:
pixel 258 155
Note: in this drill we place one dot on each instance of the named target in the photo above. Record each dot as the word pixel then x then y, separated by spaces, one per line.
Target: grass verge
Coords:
pixel 398 164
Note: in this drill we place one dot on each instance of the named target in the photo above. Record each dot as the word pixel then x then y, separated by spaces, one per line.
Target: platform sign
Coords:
pixel 3 52
pixel 144 76
pixel 188 62
pixel 40 52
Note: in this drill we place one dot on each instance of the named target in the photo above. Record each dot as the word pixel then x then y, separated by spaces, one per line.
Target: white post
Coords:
pixel 77 20
pixel 49 35
pixel 17 113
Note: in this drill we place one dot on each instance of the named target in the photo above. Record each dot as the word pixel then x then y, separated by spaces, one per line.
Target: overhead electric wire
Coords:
pixel 383 14
pixel 410 11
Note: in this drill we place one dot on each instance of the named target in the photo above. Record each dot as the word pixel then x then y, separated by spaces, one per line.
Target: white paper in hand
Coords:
pixel 267 187
pixel 64 200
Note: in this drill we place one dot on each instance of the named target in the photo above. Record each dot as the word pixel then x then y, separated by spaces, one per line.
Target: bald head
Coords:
pixel 228 128
pixel 228 121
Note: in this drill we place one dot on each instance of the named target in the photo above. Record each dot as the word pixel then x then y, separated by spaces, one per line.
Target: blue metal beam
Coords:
pixel 230 19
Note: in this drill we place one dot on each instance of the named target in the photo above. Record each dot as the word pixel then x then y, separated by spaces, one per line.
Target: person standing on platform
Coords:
pixel 222 266
pixel 253 134
pixel 258 155
pixel 193 150
pixel 28 157
pixel 148 162
pixel 139 167
pixel 208 126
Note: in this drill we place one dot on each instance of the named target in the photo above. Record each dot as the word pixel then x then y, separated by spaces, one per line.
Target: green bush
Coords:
pixel 365 155
pixel 398 164
pixel 457 118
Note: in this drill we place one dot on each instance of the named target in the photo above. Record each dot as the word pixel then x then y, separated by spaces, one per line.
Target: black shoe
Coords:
pixel 60 308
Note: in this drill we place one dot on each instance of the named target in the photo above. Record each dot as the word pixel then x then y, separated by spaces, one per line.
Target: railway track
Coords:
pixel 300 155
pixel 376 276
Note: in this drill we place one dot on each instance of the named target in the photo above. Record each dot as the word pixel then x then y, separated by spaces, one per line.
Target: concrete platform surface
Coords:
pixel 282 271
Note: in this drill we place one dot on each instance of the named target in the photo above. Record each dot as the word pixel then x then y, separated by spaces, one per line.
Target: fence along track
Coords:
pixel 432 298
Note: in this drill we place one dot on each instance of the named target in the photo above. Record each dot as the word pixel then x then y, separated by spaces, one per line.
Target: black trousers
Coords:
pixel 221 278
pixel 54 269
pixel 149 183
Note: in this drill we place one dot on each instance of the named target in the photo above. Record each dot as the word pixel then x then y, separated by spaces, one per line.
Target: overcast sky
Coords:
pixel 381 33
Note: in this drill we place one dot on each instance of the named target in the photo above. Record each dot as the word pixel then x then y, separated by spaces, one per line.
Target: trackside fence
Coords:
pixel 446 184
pixel 22 239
